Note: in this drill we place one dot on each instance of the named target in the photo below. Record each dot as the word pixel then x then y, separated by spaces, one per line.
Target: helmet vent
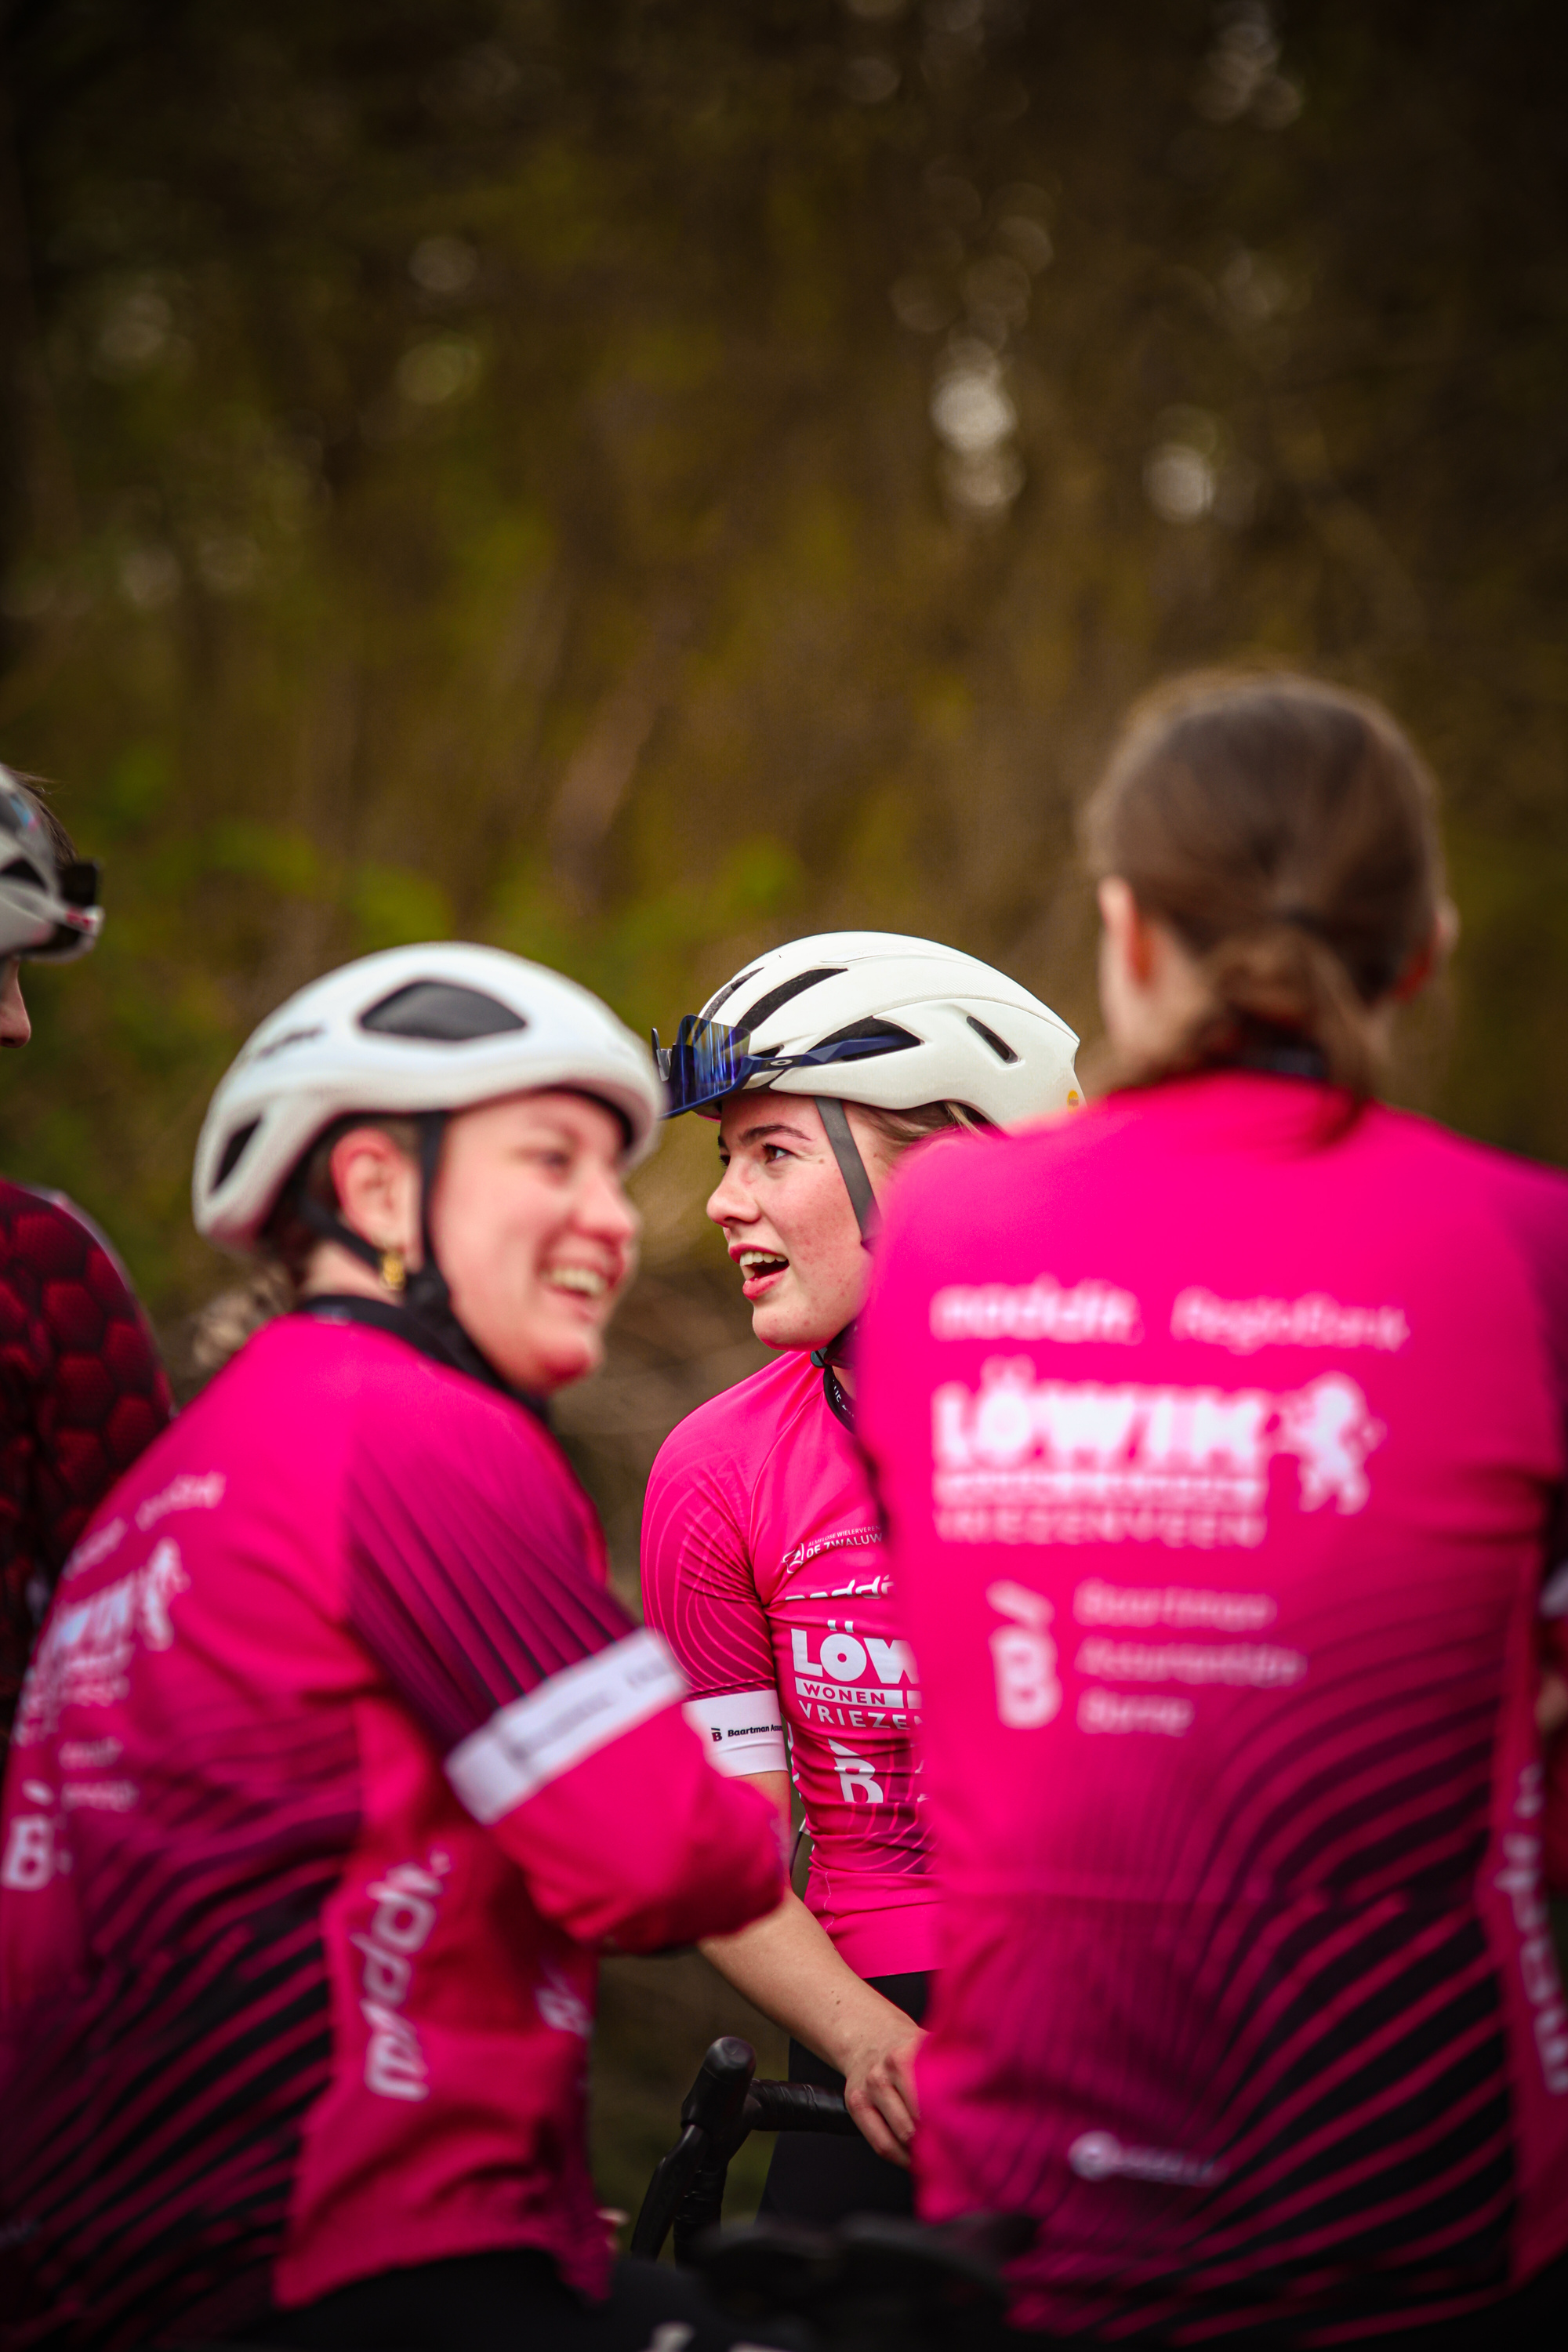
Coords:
pixel 876 1036
pixel 233 1152
pixel 21 870
pixel 289 1037
pixel 766 1006
pixel 727 992
pixel 999 1046
pixel 441 1012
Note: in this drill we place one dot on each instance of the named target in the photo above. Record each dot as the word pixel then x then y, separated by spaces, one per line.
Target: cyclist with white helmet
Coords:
pixel 762 1564
pixel 81 1388
pixel 337 1760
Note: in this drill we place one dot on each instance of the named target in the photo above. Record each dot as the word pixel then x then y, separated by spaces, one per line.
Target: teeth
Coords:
pixel 585 1278
pixel 751 1261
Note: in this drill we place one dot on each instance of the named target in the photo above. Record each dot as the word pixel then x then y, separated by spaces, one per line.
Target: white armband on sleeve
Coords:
pixel 533 1741
pixel 744 1729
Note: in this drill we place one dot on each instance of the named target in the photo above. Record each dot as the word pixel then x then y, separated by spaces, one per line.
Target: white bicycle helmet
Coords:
pixel 417 1031
pixel 873 1017
pixel 47 907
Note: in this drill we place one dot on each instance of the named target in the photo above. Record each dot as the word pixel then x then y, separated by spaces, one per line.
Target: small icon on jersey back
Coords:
pixel 1029 1693
pixel 855 1776
pixel 32 1856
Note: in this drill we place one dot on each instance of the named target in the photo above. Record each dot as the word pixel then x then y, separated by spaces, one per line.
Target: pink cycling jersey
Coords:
pixel 1221 1434
pixel 764 1569
pixel 335 1760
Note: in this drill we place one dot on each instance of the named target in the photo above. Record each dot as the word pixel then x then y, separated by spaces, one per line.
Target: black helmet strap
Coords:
pixel 851 1166
pixel 425 1299
pixel 863 1201
pixel 328 1226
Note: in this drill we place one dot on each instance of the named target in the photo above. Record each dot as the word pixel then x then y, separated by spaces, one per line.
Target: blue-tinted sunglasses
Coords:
pixel 708 1060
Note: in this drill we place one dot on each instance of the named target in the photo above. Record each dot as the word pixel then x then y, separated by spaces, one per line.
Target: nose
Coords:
pixel 730 1203
pixel 607 1210
pixel 16 1028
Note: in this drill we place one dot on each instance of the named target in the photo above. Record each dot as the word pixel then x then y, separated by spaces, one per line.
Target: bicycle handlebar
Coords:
pixel 797 2106
pixel 723 2106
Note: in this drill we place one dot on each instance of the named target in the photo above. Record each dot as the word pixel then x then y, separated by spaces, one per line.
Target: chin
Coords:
pixel 779 1332
pixel 554 1364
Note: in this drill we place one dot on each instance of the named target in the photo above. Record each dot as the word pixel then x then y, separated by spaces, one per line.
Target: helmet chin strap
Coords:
pixel 851 1166
pixel 426 1298
pixel 863 1201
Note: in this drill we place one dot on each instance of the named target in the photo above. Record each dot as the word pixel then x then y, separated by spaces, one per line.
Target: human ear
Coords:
pixel 1127 930
pixel 377 1187
pixel 1431 956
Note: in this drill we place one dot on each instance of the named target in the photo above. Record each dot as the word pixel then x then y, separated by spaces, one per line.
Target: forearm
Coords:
pixel 786 1967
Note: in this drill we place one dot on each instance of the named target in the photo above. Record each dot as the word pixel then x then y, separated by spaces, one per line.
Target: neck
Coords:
pixel 336 1273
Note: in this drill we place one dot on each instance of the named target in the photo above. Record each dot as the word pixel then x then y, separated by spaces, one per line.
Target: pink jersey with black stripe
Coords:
pixel 764 1569
pixel 335 1762
pixel 1221 1440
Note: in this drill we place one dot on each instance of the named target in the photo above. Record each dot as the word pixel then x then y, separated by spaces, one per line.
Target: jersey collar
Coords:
pixel 381 1315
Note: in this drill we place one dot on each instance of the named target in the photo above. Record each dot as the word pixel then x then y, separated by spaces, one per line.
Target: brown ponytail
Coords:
pixel 1287 832
pixel 276 1286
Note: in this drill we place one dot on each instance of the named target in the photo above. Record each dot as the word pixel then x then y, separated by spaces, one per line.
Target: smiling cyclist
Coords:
pixel 822 1062
pixel 337 1761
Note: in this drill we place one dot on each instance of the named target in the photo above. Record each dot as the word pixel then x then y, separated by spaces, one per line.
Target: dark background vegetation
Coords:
pixel 633 479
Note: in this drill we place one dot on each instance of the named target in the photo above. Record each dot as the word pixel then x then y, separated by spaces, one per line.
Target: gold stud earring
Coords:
pixel 394 1271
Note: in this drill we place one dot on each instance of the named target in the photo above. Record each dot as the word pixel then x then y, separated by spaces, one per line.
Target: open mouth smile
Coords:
pixel 581 1281
pixel 760 1270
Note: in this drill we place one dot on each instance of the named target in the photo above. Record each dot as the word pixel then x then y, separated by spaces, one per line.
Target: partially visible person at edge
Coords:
pixel 823 1063
pixel 82 1389
pixel 337 1761
pixel 1223 1535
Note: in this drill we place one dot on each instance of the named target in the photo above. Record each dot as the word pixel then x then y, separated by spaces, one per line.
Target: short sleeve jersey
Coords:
pixel 764 1568
pixel 335 1760
pixel 81 1393
pixel 1221 1433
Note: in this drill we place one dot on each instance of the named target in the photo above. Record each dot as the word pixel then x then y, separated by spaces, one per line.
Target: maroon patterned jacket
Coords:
pixel 81 1393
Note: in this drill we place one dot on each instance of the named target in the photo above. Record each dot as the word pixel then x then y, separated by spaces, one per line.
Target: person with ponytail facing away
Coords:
pixel 1222 1534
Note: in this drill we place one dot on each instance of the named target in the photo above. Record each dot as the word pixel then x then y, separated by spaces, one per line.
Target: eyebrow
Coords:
pixel 769 1126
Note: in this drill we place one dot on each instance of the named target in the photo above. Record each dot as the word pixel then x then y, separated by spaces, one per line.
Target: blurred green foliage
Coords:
pixel 631 479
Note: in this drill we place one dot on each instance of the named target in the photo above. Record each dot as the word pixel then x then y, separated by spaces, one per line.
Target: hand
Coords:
pixel 786 1965
pixel 879 2085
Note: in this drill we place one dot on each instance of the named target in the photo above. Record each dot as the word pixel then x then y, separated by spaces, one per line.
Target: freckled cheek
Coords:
pixel 803 1228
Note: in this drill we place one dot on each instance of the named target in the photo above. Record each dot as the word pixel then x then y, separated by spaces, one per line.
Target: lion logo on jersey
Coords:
pixel 1329 1431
